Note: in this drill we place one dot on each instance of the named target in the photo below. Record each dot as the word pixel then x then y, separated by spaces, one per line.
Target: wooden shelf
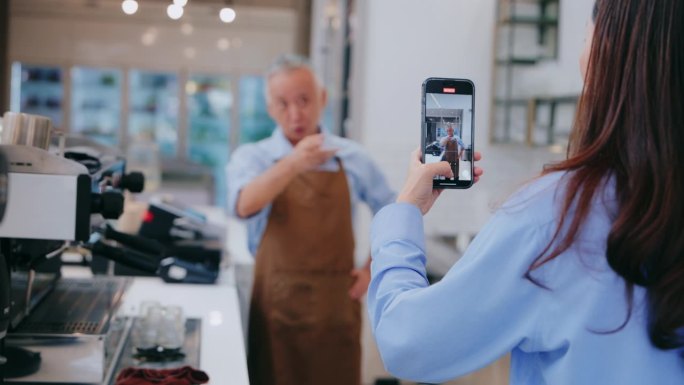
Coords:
pixel 539 20
pixel 522 61
pixel 532 21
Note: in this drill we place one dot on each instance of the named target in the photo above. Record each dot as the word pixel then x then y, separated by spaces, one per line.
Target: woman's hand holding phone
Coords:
pixel 418 189
pixel 448 129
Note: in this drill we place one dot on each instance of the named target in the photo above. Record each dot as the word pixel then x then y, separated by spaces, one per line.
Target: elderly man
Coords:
pixel 297 191
pixel 453 149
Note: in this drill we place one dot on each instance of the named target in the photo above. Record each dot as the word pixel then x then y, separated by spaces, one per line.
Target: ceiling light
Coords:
pixel 227 15
pixel 223 44
pixel 187 29
pixel 180 3
pixel 174 11
pixel 129 6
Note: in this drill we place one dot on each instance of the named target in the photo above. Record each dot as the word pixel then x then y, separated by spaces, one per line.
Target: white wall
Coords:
pixel 401 43
pixel 328 33
pixel 560 77
pixel 406 42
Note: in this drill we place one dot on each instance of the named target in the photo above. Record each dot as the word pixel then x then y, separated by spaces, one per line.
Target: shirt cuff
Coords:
pixel 397 221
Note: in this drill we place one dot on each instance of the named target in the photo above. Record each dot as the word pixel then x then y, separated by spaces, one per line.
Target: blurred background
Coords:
pixel 178 85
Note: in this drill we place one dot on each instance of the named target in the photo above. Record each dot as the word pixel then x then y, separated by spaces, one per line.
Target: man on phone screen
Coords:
pixel 453 149
pixel 297 191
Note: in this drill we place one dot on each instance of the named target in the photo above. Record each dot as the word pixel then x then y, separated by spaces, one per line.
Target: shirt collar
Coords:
pixel 280 146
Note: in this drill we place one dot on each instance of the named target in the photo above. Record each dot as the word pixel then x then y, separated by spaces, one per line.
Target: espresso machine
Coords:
pixel 53 329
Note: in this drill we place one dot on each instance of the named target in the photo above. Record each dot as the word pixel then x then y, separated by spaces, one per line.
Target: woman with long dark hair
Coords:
pixel 580 274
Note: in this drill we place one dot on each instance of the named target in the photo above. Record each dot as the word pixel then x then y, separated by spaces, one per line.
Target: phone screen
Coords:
pixel 448 121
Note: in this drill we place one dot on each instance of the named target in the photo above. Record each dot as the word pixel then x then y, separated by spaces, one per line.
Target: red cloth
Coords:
pixel 179 376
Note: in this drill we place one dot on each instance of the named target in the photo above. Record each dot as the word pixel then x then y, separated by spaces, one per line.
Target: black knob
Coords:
pixel 133 182
pixel 5 296
pixel 4 178
pixel 109 203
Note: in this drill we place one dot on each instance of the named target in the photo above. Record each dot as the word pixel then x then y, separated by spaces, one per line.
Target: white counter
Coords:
pixel 222 353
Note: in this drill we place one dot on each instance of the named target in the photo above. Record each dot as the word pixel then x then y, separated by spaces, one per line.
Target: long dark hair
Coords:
pixel 630 127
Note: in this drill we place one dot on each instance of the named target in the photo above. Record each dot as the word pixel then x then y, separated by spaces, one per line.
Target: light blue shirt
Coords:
pixel 455 138
pixel 484 307
pixel 366 181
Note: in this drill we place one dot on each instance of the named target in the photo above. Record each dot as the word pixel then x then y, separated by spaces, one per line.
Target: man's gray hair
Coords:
pixel 287 63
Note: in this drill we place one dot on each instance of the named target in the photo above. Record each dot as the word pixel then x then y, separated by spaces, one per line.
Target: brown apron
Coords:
pixel 451 156
pixel 304 329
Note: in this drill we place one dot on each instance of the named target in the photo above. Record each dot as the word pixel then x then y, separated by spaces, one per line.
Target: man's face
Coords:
pixel 296 102
pixel 450 131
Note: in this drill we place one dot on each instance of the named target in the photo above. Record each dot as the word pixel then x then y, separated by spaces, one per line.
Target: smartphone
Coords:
pixel 448 121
